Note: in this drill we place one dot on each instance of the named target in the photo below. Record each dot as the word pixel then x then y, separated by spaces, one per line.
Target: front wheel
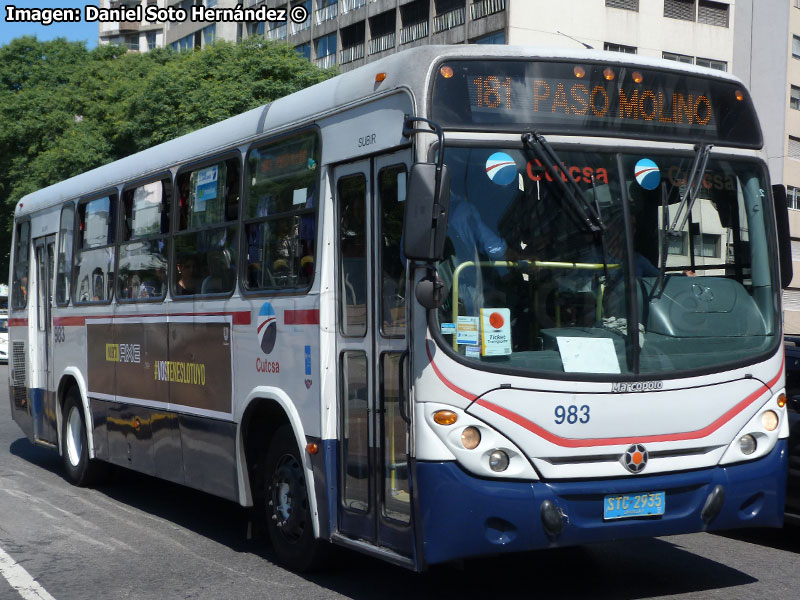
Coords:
pixel 81 470
pixel 289 518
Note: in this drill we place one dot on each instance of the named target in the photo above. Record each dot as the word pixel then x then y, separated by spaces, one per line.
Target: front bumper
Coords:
pixel 463 516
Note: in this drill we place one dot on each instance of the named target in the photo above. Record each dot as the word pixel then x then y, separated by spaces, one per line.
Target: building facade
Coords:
pixel 757 40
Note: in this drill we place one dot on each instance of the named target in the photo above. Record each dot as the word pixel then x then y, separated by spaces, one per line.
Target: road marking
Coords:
pixel 20 580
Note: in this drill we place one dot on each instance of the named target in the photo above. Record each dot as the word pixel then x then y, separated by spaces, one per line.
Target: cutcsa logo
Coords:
pixel 267 327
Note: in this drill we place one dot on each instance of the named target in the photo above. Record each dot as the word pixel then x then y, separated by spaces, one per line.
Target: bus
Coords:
pixel 459 302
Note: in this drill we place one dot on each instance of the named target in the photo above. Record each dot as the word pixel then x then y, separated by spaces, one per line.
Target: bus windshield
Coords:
pixel 532 287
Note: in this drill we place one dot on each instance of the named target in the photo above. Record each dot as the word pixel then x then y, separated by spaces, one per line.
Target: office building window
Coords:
pixel 255 28
pixel 678 57
pixel 680 9
pixel 794 97
pixel 794 148
pixel 496 37
pixel 325 45
pixel 712 13
pixel 626 4
pixel 677 244
pixel 619 48
pixel 707 245
pixel 209 34
pixel 151 40
pixel 304 50
pixel 719 65
pixel 793 201
pixel 796 46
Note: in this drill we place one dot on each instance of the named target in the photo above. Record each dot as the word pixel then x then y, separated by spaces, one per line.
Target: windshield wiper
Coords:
pixel 537 147
pixel 693 183
pixel 662 260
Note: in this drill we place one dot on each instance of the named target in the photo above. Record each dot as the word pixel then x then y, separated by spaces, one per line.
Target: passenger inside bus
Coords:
pixel 187 283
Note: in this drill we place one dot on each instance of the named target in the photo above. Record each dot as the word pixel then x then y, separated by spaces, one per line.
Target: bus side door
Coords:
pixel 43 395
pixel 374 488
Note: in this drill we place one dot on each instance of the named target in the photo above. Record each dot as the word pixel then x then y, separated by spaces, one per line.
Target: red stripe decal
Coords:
pixel 667 437
pixel 241 317
pixel 265 323
pixel 444 380
pixel 301 317
pixel 586 443
pixel 775 379
pixel 69 321
pixel 18 322
pixel 498 165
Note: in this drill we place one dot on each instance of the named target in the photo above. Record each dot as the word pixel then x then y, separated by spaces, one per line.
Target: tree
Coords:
pixel 65 110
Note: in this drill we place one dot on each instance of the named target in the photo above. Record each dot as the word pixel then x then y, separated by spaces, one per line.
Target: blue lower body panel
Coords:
pixel 463 516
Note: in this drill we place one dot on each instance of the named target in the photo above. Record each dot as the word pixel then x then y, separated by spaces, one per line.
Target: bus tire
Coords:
pixel 288 513
pixel 81 470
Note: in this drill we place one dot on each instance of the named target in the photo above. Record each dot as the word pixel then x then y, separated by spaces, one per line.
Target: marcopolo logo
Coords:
pixel 501 168
pixel 267 327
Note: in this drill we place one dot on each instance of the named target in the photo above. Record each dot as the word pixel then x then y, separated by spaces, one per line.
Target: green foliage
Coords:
pixel 65 109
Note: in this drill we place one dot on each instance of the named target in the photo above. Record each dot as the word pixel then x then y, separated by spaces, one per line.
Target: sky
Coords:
pixel 74 32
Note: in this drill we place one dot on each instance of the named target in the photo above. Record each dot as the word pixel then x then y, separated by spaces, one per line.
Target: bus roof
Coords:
pixel 308 104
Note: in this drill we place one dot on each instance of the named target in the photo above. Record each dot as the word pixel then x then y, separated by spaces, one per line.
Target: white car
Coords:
pixel 3 339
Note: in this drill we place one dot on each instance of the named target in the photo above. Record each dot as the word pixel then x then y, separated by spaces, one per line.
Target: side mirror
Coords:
pixel 784 237
pixel 425 224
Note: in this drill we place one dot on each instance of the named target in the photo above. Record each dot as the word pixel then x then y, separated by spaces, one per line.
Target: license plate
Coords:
pixel 642 504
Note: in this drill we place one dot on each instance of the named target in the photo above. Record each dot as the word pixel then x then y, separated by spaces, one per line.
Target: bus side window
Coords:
pixel 94 259
pixel 280 214
pixel 143 246
pixel 65 238
pixel 205 243
pixel 392 193
pixel 19 287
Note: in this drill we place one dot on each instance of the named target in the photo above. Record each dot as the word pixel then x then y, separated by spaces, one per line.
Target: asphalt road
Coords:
pixel 138 537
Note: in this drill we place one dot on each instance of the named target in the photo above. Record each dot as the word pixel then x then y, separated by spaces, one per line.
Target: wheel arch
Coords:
pixel 266 410
pixel 72 377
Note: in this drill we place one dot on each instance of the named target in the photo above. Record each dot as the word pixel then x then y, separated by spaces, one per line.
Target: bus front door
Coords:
pixel 374 488
pixel 43 397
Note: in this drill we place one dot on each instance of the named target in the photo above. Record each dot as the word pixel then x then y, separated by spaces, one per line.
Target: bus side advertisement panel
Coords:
pixel 199 367
pixel 181 363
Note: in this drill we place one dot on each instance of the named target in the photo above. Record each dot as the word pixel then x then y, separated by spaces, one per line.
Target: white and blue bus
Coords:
pixel 458 302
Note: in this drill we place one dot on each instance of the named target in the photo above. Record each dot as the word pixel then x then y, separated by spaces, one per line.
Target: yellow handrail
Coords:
pixel 532 264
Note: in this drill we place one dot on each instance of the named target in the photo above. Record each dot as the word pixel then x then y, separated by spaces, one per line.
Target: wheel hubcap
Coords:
pixel 288 498
pixel 74 437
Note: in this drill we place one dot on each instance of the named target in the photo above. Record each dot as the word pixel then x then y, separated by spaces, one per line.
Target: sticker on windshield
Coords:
pixel 501 168
pixel 495 331
pixel 647 174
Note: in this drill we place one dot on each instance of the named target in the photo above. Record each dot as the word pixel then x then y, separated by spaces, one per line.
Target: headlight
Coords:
pixel 470 438
pixel 498 461
pixel 769 419
pixel 747 444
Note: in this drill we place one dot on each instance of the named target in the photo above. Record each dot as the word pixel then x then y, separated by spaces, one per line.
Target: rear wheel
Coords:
pixel 74 443
pixel 289 519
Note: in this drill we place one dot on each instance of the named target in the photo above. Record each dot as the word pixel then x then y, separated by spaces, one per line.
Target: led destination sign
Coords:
pixel 593 99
